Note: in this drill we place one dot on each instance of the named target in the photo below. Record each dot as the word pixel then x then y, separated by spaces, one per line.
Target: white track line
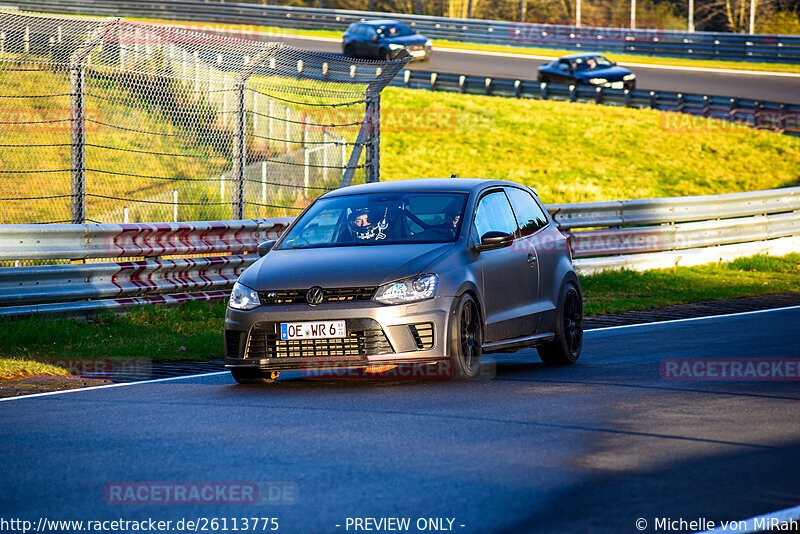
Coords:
pixel 123 384
pixel 712 70
pixel 688 319
pixel 783 516
pixel 106 386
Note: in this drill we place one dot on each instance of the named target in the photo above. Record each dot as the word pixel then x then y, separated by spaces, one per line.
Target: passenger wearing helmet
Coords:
pixel 364 226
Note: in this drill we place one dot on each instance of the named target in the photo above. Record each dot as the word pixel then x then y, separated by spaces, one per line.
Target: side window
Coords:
pixel 494 213
pixel 369 33
pixel 529 215
pixel 563 65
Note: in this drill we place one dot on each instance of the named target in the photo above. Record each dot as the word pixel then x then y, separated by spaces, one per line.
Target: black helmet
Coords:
pixel 363 224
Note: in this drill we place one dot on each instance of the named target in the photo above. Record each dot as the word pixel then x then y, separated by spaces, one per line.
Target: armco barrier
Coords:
pixel 656 42
pixel 632 234
pixel 779 117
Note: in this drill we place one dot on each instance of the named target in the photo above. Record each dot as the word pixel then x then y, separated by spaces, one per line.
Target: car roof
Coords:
pixel 582 54
pixel 380 22
pixel 459 185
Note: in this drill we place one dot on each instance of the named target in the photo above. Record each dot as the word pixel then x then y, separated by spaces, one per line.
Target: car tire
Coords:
pixel 253 376
pixel 384 54
pixel 566 347
pixel 466 339
pixel 348 51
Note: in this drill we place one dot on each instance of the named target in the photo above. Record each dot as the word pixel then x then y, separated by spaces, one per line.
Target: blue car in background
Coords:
pixel 384 39
pixel 587 69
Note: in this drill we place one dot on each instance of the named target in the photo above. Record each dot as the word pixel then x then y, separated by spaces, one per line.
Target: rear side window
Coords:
pixel 494 214
pixel 529 215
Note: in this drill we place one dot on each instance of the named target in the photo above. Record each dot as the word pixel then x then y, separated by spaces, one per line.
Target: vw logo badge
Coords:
pixel 315 295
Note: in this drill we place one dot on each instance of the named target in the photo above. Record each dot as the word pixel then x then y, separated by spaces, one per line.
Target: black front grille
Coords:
pixel 364 337
pixel 232 343
pixel 298 296
pixel 422 334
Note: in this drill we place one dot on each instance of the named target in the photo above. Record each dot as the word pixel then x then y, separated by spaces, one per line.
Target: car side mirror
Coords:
pixel 265 247
pixel 493 240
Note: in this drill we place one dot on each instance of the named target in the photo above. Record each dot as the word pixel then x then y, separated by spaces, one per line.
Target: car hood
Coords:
pixel 610 74
pixel 363 266
pixel 407 40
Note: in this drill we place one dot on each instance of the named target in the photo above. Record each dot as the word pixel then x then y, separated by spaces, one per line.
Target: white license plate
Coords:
pixel 313 330
pixel 417 53
pixel 617 85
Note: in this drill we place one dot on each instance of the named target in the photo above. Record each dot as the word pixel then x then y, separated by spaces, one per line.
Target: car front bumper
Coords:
pixel 398 323
pixel 421 54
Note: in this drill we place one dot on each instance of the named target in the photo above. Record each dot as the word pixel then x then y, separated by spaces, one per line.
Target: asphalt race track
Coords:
pixel 586 448
pixel 774 88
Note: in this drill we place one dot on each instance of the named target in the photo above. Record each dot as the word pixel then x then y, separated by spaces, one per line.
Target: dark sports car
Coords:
pixel 587 69
pixel 432 272
pixel 384 39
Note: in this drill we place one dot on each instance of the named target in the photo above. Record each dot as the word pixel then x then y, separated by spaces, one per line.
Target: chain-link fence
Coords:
pixel 118 121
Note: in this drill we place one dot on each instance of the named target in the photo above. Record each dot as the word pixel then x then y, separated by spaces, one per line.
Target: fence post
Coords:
pixel 240 130
pixel 77 110
pixel 373 117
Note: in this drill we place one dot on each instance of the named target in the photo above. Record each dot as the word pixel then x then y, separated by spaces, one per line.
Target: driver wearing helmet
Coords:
pixel 364 225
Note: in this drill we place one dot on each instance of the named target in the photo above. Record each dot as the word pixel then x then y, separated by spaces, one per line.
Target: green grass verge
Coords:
pixel 194 331
pixel 531 51
pixel 619 291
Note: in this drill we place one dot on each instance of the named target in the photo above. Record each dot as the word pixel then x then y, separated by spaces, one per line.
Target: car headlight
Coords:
pixel 598 81
pixel 408 290
pixel 630 76
pixel 243 298
pixel 428 43
pixel 395 46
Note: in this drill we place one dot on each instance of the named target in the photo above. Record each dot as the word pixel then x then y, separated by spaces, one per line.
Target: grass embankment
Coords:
pixel 520 49
pixel 194 331
pixel 578 152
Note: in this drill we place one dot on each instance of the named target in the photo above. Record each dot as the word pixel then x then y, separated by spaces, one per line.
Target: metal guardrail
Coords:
pixel 780 117
pixel 654 42
pixel 633 234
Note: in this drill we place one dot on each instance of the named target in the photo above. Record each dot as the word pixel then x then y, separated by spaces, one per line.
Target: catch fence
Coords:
pixel 108 120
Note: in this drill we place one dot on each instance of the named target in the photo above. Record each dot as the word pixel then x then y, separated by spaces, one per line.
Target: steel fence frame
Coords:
pixel 179 262
pixel 655 42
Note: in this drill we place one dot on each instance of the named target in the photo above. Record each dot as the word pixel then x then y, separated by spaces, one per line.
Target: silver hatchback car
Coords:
pixel 409 272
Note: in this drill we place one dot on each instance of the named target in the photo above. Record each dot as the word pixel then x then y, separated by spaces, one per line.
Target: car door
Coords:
pixel 508 281
pixel 530 221
pixel 370 42
pixel 564 74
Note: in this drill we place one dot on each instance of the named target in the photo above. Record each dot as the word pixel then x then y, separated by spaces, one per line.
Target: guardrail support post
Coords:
pixel 77 80
pixel 373 115
pixel 239 155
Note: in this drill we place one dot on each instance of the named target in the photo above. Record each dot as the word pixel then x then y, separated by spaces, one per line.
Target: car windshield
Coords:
pixel 387 31
pixel 590 63
pixel 378 219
